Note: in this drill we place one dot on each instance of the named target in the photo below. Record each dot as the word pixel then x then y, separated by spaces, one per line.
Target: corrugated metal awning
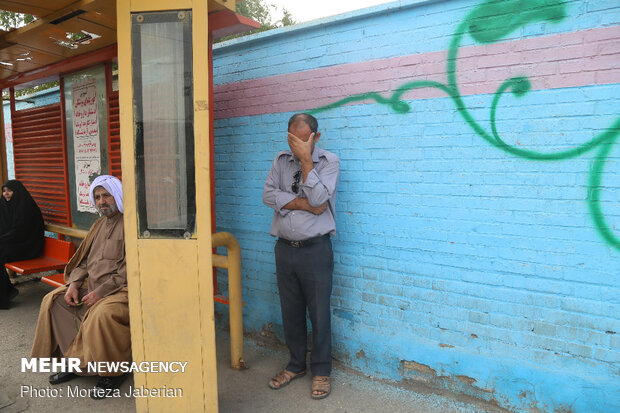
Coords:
pixel 68 28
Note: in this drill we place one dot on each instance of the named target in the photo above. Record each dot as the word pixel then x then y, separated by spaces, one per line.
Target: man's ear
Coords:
pixel 317 136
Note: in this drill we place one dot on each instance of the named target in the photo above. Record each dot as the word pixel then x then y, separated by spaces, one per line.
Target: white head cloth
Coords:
pixel 112 185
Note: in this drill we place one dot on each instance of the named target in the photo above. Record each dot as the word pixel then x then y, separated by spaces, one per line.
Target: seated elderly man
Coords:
pixel 89 317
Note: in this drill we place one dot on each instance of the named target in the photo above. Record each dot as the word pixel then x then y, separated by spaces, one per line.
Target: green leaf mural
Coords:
pixel 490 22
pixel 495 19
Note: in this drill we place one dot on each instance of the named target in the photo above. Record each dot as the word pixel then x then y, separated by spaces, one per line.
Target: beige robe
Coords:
pixel 104 331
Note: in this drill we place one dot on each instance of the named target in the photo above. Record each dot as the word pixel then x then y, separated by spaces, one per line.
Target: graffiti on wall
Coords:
pixel 488 23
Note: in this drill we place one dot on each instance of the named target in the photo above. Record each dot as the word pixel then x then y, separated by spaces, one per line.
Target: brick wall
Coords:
pixel 486 264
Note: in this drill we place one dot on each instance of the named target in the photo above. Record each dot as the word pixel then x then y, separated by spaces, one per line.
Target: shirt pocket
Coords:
pixel 112 249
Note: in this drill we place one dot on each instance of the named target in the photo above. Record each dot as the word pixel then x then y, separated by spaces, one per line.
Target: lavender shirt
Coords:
pixel 320 186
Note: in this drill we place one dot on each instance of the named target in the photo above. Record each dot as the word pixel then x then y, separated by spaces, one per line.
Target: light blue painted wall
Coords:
pixel 450 254
pixel 389 30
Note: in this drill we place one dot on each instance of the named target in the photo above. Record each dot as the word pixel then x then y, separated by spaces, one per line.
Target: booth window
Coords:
pixel 163 123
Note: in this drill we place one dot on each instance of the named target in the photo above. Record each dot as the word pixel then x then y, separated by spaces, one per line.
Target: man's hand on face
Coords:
pixel 91 298
pixel 302 150
pixel 71 296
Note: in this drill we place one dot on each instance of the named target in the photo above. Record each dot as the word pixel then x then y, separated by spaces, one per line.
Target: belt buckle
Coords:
pixel 296 244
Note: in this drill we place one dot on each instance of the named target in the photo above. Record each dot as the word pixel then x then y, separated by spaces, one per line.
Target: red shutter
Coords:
pixel 39 160
pixel 114 135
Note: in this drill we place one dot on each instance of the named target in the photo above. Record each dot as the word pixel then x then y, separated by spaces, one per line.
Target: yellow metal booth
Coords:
pixel 162 50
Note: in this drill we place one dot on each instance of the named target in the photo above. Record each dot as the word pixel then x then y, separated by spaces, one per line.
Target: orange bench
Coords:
pixel 56 254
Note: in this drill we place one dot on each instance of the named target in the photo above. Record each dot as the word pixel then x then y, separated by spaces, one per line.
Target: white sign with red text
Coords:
pixel 85 140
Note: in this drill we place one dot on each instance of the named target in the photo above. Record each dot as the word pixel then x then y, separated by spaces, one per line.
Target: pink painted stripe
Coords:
pixel 589 57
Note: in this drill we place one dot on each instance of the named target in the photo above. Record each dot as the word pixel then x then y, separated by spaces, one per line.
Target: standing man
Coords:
pixel 89 317
pixel 301 188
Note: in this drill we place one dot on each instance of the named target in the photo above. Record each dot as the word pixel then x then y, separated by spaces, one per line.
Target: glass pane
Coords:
pixel 164 115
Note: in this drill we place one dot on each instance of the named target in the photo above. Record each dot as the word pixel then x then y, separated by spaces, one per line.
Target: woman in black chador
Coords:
pixel 21 233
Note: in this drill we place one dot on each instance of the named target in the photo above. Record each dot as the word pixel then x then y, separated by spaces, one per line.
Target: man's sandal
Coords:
pixel 321 384
pixel 283 378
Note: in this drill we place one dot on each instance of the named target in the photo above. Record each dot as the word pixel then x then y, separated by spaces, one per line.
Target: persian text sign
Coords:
pixel 85 140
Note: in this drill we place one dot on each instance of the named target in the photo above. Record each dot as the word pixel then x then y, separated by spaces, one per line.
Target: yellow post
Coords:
pixel 232 262
pixel 169 272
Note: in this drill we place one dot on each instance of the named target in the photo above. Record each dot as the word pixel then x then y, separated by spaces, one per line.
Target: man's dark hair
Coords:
pixel 307 119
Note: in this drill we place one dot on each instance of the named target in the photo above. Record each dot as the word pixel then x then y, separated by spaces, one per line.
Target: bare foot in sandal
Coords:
pixel 283 378
pixel 321 387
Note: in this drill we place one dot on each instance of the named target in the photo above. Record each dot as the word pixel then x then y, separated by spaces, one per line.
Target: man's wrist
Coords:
pixel 300 204
pixel 304 205
pixel 306 167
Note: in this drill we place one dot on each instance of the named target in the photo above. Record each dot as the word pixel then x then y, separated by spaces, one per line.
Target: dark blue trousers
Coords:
pixel 305 281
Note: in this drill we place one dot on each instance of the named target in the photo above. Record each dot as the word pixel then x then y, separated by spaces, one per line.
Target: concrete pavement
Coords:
pixel 239 391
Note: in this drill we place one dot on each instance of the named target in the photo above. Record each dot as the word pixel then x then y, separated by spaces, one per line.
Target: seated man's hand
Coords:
pixel 91 298
pixel 71 296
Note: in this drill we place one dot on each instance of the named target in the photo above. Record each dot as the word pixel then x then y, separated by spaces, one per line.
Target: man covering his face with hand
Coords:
pixel 301 189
